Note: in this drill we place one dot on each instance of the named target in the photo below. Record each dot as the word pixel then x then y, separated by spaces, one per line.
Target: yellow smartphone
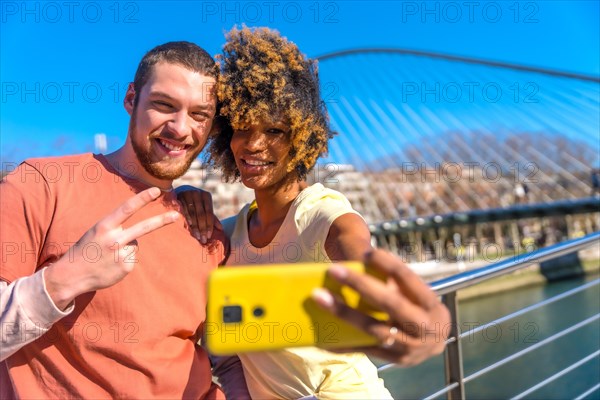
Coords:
pixel 269 307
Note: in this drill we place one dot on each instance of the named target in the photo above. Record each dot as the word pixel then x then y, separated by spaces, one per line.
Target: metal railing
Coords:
pixel 448 288
pixel 519 211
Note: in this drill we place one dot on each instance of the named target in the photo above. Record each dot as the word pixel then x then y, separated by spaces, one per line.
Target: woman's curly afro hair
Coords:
pixel 264 75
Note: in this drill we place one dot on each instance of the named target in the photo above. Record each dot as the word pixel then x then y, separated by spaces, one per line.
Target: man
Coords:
pixel 103 286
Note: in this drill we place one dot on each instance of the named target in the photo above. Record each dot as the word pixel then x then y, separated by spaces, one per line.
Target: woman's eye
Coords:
pixel 275 131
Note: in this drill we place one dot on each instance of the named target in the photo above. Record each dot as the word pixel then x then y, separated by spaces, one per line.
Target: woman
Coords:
pixel 274 129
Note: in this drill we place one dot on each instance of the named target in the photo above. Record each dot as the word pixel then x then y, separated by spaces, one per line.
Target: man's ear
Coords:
pixel 129 99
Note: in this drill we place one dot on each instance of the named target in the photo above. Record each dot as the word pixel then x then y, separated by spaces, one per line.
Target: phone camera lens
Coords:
pixel 258 312
pixel 232 314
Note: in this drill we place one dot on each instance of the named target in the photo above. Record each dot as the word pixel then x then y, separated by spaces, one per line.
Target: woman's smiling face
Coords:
pixel 262 153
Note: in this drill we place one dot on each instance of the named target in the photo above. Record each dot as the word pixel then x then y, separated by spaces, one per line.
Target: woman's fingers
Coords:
pixel 409 283
pixel 209 215
pixel 198 210
pixel 418 323
pixel 384 296
pixel 394 343
pixel 362 321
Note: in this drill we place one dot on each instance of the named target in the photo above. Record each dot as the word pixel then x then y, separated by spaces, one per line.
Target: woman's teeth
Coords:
pixel 256 162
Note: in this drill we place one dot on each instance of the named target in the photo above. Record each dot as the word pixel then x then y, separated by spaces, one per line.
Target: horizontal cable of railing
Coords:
pixel 471 332
pixel 585 394
pixel 532 307
pixel 469 278
pixel 478 275
pixel 514 356
pixel 531 348
pixel 554 377
pixel 557 375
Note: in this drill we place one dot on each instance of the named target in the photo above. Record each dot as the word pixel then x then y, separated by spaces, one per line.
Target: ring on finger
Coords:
pixel 391 338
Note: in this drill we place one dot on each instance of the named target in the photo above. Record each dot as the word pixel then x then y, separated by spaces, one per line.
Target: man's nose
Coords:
pixel 179 124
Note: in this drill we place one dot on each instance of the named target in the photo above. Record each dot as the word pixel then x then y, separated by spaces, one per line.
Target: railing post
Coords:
pixel 453 363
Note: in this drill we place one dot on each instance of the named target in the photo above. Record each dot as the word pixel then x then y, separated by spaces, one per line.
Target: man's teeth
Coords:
pixel 256 162
pixel 171 146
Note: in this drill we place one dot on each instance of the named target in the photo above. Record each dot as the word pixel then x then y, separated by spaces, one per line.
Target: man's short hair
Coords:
pixel 186 54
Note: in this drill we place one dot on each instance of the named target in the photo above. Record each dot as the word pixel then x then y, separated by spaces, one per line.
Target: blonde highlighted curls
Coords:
pixel 263 75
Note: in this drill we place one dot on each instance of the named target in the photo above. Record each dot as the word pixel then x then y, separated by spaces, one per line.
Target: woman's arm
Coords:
pixel 348 239
pixel 418 322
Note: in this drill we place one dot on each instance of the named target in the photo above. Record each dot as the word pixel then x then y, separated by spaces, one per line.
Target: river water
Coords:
pixel 501 340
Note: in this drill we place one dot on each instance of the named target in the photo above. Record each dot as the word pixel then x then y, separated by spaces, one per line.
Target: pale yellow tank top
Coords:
pixel 306 371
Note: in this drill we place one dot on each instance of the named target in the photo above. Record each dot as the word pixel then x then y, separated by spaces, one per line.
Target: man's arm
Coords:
pixel 27 312
pixel 57 285
pixel 26 309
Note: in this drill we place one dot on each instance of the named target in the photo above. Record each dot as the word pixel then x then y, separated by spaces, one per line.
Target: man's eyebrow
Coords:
pixel 209 107
pixel 158 93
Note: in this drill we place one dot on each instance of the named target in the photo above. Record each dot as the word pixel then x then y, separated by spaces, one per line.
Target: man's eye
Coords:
pixel 163 104
pixel 200 116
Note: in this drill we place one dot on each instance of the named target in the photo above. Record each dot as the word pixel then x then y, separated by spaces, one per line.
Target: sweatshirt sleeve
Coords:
pixel 26 312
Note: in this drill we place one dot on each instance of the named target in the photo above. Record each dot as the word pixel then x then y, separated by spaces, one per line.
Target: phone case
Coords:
pixel 257 308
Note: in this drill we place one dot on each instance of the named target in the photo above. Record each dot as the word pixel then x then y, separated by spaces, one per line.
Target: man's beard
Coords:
pixel 173 168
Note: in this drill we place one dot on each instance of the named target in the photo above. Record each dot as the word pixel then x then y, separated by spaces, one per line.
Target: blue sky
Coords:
pixel 64 66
